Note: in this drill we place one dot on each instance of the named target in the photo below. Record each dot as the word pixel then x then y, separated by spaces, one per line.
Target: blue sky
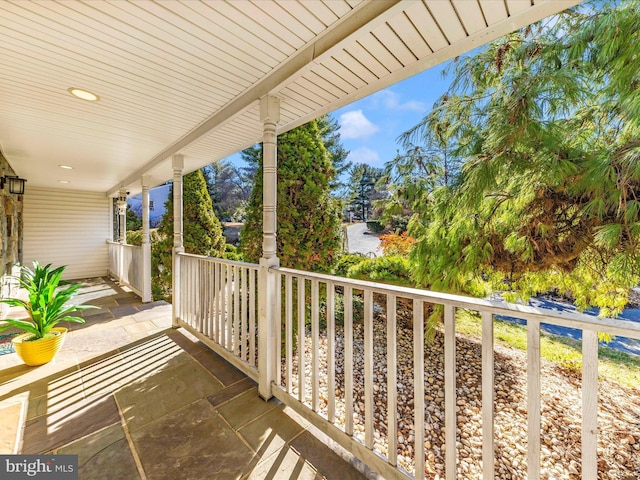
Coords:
pixel 369 127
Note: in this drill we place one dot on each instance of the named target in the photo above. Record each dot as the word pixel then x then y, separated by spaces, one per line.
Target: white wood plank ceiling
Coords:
pixel 185 76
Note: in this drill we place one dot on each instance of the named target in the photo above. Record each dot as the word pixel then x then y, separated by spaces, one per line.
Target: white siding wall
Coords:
pixel 67 227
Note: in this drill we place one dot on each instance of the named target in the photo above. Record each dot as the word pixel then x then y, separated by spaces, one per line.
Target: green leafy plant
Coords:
pixel 47 303
pixel 392 269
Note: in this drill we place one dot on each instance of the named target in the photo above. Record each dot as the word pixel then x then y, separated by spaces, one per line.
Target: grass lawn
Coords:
pixel 613 364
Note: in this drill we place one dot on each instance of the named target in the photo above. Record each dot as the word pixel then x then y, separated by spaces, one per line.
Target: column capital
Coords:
pixel 145 181
pixel 270 109
pixel 177 161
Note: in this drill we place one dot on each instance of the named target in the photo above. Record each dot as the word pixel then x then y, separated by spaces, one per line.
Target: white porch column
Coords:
pixel 178 247
pixel 146 243
pixel 122 230
pixel 122 216
pixel 268 333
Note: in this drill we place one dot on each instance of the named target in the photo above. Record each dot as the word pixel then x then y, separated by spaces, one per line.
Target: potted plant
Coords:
pixel 46 306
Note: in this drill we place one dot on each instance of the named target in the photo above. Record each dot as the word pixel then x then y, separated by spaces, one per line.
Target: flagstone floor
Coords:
pixel 137 400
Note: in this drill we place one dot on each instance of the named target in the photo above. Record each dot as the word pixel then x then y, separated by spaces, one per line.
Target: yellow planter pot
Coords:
pixel 41 351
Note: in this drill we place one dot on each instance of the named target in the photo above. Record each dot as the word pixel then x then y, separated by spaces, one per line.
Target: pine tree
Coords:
pixel 547 120
pixel 202 232
pixel 308 233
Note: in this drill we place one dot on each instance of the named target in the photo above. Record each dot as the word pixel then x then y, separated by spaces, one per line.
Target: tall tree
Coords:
pixel 308 217
pixel 364 189
pixel 330 132
pixel 229 188
pixel 202 232
pixel 548 120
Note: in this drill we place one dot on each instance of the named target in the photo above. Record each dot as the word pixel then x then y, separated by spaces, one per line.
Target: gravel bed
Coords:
pixel 618 415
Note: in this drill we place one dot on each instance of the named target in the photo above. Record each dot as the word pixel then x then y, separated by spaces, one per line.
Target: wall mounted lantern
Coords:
pixel 16 184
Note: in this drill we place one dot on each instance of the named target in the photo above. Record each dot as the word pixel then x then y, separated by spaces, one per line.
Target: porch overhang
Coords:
pixel 186 77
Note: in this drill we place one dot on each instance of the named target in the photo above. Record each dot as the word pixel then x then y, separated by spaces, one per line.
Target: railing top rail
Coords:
pixel 579 320
pixel 220 260
pixel 110 242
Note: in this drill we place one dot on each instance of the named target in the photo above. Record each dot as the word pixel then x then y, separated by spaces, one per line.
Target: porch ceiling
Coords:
pixel 186 76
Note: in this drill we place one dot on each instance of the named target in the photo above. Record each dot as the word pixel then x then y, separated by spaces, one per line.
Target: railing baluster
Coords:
pixel 392 407
pixel 216 302
pixel 197 289
pixel 236 310
pixel 450 391
pixel 533 399
pixel 418 388
pixel 252 318
pixel 315 334
pixel 189 302
pixel 279 329
pixel 368 369
pixel 589 405
pixel 244 314
pixel 225 305
pixel 229 318
pixel 289 332
pixel 487 397
pixel 301 339
pixel 348 360
pixel 209 298
pixel 331 351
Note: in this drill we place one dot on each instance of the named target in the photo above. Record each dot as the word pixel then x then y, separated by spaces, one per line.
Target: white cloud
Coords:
pixel 391 100
pixel 364 155
pixel 354 124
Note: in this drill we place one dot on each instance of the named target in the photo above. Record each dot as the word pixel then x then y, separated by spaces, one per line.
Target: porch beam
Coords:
pixel 365 15
pixel 146 242
pixel 268 336
pixel 178 247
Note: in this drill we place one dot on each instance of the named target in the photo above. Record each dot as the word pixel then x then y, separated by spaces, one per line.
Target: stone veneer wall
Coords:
pixel 10 235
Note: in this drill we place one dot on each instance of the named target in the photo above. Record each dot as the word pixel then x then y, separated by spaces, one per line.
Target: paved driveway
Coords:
pixel 362 241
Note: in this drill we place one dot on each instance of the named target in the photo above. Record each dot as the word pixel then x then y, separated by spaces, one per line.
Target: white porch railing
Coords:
pixel 325 318
pixel 218 304
pixel 125 265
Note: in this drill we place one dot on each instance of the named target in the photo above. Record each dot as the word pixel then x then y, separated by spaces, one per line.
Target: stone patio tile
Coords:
pixel 134 364
pixel 104 375
pixel 162 321
pixel 270 432
pixel 231 392
pixel 10 426
pixel 85 343
pixel 123 310
pixel 103 302
pixel 140 327
pixel 188 345
pixel 54 402
pixel 101 324
pixel 164 391
pixel 285 464
pixel 146 315
pixel 223 370
pixel 156 304
pixel 104 455
pixel 129 300
pixel 246 408
pixel 10 368
pixel 323 459
pixel 44 433
pixel 192 443
pixel 105 312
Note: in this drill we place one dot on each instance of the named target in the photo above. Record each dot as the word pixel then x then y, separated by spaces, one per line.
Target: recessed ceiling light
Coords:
pixel 63 181
pixel 83 94
pixel 66 167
